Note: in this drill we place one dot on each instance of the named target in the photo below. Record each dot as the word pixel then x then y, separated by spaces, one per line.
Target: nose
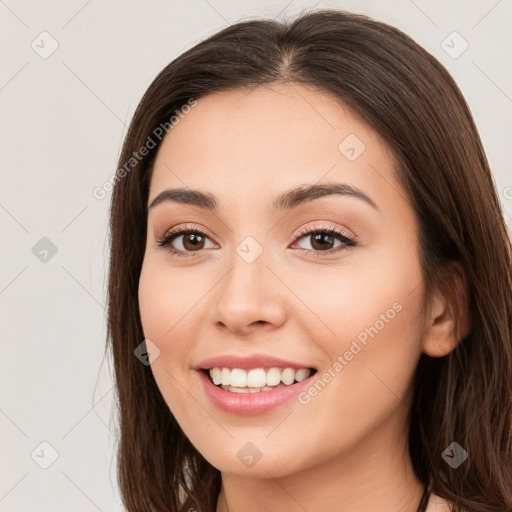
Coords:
pixel 249 296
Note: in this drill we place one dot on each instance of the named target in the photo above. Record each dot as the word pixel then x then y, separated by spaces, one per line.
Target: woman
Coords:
pixel 310 263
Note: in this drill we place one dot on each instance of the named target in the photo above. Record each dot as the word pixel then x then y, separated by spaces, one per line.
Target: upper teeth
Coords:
pixel 257 377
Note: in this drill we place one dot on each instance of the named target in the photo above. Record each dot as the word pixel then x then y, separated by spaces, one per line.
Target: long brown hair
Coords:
pixel 410 99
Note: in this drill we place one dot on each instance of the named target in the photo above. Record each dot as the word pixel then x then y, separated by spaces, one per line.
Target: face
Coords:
pixel 329 282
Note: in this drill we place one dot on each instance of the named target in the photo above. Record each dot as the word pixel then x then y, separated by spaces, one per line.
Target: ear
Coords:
pixel 448 320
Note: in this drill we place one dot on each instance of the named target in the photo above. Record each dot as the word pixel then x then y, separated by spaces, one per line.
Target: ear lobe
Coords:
pixel 449 320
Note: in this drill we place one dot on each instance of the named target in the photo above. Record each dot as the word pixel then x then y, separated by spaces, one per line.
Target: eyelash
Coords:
pixel 330 230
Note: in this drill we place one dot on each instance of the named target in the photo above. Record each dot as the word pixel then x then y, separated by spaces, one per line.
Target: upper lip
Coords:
pixel 253 361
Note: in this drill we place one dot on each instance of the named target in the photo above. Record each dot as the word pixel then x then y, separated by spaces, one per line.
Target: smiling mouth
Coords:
pixel 255 380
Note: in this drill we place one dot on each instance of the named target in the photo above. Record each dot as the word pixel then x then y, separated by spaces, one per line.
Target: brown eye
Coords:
pixel 193 241
pixel 190 240
pixel 324 240
pixel 186 242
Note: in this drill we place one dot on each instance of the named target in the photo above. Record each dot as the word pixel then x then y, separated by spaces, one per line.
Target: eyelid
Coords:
pixel 325 226
pixel 301 231
pixel 180 228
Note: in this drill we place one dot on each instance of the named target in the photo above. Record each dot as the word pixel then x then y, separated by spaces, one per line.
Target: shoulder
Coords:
pixel 438 504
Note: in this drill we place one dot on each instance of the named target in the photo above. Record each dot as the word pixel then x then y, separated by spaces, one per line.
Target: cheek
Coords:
pixel 167 300
pixel 372 359
pixel 166 304
pixel 370 314
pixel 376 289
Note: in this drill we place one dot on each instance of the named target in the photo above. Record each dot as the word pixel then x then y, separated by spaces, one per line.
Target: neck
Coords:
pixel 375 474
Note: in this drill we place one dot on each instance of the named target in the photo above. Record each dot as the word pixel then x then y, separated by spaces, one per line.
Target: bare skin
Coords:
pixel 346 447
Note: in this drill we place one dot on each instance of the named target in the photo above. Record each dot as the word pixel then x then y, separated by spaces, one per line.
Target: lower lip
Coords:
pixel 250 403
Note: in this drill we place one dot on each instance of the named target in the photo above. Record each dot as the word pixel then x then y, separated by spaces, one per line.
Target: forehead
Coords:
pixel 270 138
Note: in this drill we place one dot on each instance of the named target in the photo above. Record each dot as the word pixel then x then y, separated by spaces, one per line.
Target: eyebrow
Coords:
pixel 287 200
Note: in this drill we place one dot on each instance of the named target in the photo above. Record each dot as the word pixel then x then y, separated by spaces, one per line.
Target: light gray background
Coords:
pixel 63 121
